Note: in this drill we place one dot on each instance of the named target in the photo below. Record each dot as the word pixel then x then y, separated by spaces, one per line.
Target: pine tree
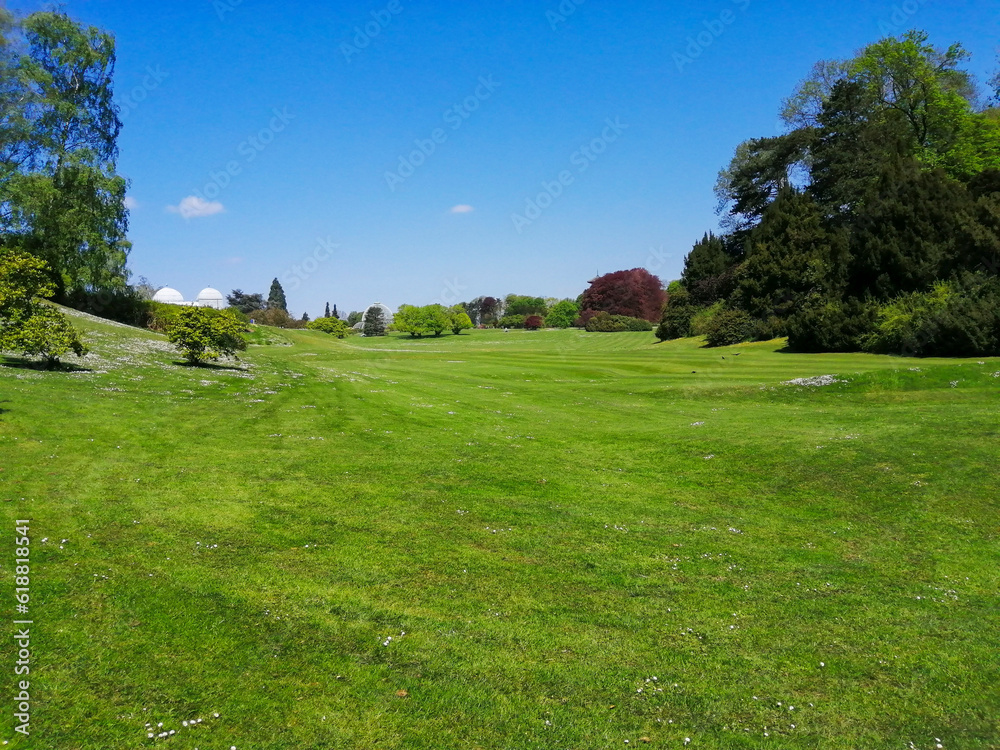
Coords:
pixel 276 297
pixel 909 232
pixel 335 313
pixel 374 322
pixel 326 313
pixel 791 254
pixel 305 317
pixel 706 270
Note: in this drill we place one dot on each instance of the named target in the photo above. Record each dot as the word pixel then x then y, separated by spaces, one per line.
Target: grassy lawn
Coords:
pixel 504 540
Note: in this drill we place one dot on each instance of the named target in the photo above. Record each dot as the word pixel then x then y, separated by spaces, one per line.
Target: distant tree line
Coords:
pixel 635 294
pixel 872 224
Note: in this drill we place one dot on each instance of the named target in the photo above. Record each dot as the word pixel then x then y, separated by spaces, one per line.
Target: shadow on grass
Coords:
pixel 21 363
pixel 208 366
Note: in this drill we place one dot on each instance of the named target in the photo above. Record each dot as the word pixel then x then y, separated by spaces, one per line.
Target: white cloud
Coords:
pixel 462 209
pixel 130 203
pixel 194 207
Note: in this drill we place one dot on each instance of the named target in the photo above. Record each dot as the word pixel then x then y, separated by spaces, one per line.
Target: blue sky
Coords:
pixel 388 151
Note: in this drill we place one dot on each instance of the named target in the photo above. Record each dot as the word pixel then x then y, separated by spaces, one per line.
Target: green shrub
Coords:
pixel 702 321
pixel 161 316
pixel 333 326
pixel 730 327
pixel 42 331
pixel 202 333
pixel 239 315
pixel 677 314
pixel 458 320
pixel 831 325
pixel 603 322
pixel 562 314
pixel 953 319
pixel 27 324
pixel 275 316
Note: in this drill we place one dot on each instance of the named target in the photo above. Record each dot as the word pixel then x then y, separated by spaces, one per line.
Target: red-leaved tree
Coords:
pixel 533 322
pixel 636 293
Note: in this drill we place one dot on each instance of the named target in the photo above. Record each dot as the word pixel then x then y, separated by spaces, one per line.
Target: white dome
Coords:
pixel 209 297
pixel 387 314
pixel 169 296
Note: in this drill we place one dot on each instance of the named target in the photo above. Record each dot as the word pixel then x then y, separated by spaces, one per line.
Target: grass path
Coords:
pixel 506 540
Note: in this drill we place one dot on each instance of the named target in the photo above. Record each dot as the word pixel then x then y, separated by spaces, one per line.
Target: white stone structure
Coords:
pixel 207 297
pixel 169 296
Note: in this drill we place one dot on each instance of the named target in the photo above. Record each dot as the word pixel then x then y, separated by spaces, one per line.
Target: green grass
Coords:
pixel 587 539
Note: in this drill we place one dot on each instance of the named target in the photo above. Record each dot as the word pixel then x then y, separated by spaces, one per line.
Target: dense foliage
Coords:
pixel 873 223
pixel 28 325
pixel 604 322
pixel 276 297
pixel 201 334
pixel 562 314
pixel 246 303
pixel 635 293
pixel 430 320
pixel 61 199
pixel 333 326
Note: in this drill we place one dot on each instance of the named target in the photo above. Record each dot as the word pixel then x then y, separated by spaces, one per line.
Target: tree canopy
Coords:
pixel 635 293
pixel 61 198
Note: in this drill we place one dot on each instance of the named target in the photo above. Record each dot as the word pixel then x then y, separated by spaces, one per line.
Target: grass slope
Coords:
pixel 505 540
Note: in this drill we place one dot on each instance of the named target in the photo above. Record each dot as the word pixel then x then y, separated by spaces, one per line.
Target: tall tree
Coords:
pixel 65 203
pixel 335 313
pixel 326 312
pixel 276 297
